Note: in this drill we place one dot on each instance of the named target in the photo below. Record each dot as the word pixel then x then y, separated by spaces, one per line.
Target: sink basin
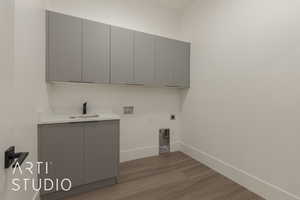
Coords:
pixel 83 116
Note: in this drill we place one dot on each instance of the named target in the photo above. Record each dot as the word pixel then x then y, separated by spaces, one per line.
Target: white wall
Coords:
pixel 23 88
pixel 241 115
pixel 6 86
pixel 142 15
pixel 24 92
pixel 153 106
pixel 29 69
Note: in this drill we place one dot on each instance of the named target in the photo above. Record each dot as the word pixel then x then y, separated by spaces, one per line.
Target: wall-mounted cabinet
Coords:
pixel 172 59
pixel 64 48
pixel 95 52
pixel 144 58
pixel 181 76
pixel 122 52
pixel 79 50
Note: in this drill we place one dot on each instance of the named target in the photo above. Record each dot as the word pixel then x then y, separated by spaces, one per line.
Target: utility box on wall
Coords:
pixel 164 141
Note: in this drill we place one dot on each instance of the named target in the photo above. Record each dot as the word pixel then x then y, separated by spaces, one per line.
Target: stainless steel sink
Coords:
pixel 83 116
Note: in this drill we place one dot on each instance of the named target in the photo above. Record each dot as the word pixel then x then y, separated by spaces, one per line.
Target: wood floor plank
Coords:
pixel 173 176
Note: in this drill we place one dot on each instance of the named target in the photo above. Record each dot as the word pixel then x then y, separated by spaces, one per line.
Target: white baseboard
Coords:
pixel 144 152
pixel 253 183
pixel 176 146
pixel 138 153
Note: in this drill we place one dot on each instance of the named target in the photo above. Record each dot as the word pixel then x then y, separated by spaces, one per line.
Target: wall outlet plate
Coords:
pixel 128 110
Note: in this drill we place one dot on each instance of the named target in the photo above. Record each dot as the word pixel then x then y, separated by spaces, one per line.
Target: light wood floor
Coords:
pixel 173 176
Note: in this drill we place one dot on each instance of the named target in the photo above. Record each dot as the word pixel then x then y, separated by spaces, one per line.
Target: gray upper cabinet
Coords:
pixel 165 59
pixel 144 65
pixel 64 53
pixel 122 49
pixel 96 52
pixel 101 150
pixel 181 76
pixel 172 62
pixel 80 50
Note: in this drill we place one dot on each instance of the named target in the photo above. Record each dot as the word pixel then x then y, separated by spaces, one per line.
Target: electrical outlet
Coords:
pixel 173 117
pixel 128 110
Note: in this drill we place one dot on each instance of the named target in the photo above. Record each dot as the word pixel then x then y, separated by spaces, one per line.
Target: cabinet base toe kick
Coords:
pixel 80 189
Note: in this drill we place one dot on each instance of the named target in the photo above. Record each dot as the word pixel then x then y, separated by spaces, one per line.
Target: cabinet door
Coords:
pixel 121 55
pixel 101 150
pixel 96 49
pixel 64 38
pixel 165 61
pixel 62 146
pixel 181 76
pixel 144 58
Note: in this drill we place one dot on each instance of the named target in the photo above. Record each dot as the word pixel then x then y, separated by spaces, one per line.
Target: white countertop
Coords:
pixel 60 119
